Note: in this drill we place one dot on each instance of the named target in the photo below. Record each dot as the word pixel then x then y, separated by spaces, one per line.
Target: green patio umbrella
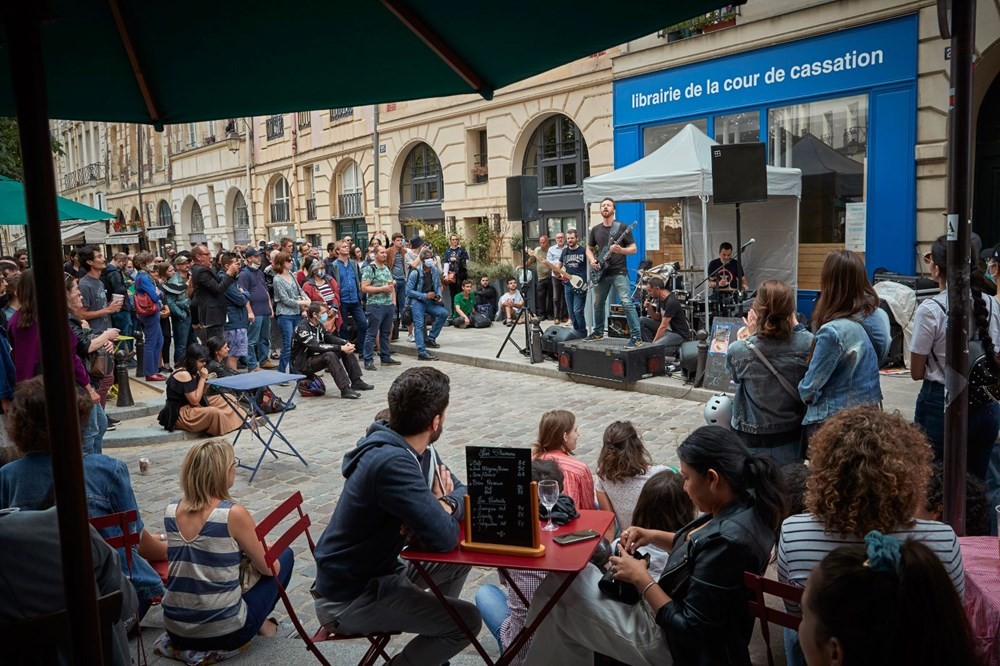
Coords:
pixel 12 210
pixel 160 63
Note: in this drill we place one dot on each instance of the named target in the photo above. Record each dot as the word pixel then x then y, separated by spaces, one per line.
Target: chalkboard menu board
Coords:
pixel 724 331
pixel 499 484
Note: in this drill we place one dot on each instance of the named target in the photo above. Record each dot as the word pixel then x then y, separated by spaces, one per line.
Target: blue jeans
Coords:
pixel 92 431
pixel 492 605
pixel 400 297
pixel 254 331
pixel 621 285
pixel 574 304
pixel 260 600
pixel 153 344
pixel 287 324
pixel 122 320
pixel 984 424
pixel 793 651
pixel 357 313
pixel 421 309
pixel 182 336
pixel 264 345
pixel 379 323
pixel 929 412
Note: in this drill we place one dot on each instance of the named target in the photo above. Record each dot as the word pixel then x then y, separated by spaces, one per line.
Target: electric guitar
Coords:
pixel 602 258
pixel 576 283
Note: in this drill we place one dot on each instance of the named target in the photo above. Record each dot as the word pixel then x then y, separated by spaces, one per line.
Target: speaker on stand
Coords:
pixel 522 206
pixel 739 175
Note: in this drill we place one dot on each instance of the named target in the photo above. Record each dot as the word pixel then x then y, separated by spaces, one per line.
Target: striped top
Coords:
pixel 203 597
pixel 803 544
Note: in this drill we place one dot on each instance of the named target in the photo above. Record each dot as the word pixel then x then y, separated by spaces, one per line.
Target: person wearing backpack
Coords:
pixel 927 363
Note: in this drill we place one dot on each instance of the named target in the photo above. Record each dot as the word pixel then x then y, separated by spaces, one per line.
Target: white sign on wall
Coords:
pixel 855 227
pixel 652 230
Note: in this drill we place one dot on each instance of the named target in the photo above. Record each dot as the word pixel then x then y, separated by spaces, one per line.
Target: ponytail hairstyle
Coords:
pixel 775 309
pixel 750 477
pixel 888 608
pixel 622 453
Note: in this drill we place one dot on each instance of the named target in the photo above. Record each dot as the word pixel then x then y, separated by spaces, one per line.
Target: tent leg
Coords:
pixel 28 80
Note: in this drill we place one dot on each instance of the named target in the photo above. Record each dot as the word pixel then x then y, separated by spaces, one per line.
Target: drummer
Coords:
pixel 665 322
pixel 725 270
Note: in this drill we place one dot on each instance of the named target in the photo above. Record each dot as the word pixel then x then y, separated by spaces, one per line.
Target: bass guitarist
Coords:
pixel 569 274
pixel 607 246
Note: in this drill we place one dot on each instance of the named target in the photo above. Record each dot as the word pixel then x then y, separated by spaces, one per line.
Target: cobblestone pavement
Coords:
pixel 488 407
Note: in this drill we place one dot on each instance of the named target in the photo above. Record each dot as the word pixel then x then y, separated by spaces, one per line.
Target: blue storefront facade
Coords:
pixel 841 106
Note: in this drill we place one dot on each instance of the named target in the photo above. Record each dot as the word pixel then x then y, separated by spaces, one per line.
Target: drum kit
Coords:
pixel 722 301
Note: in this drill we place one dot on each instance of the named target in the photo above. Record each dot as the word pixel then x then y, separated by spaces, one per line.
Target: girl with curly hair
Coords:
pixel 870 471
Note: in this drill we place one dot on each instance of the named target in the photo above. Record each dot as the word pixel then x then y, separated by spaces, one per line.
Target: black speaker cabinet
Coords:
pixel 610 359
pixel 554 336
pixel 522 198
pixel 739 173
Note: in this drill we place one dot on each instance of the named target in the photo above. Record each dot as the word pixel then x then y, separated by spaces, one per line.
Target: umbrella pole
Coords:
pixel 28 81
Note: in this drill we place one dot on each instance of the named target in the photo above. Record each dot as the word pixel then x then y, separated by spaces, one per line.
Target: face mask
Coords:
pixel 323 317
pixel 320 273
pixel 428 262
pixel 253 267
pixel 992 278
pixel 371 256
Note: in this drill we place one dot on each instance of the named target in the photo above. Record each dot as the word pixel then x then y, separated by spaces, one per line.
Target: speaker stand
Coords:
pixel 525 311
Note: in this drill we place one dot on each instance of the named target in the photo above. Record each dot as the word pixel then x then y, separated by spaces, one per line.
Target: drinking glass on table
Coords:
pixel 548 494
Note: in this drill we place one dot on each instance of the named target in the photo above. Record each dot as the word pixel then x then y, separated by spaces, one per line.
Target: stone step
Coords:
pixel 144 431
pixel 138 410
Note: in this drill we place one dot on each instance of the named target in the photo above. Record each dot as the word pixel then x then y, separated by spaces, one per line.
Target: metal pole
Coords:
pixel 375 171
pixel 956 423
pixel 24 43
pixel 143 240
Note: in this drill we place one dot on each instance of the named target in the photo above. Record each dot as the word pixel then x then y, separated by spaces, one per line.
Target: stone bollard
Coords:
pixel 702 358
pixel 536 341
pixel 121 379
pixel 139 360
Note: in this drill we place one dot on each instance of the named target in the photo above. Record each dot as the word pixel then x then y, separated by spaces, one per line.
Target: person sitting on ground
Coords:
pixel 189 407
pixel 486 297
pixel 315 348
pixel 361 585
pixel 511 303
pixel 465 306
pixel 26 484
pixel 204 607
pixel 557 438
pixel 869 471
pixel 884 602
pixel 977 506
pixel 699 616
pixel 623 468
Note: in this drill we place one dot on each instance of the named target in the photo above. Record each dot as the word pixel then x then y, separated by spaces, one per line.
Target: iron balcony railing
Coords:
pixel 304 119
pixel 310 209
pixel 341 112
pixel 351 205
pixel 88 175
pixel 279 212
pixel 275 127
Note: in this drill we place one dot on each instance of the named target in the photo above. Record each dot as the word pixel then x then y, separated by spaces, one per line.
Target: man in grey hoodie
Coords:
pixel 361 584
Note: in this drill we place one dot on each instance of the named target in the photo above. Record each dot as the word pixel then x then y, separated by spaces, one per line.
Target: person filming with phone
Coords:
pixel 696 611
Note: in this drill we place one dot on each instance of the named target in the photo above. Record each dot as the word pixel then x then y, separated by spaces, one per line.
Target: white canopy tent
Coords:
pixel 682 169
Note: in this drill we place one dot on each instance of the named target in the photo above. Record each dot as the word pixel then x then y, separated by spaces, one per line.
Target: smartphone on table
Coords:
pixel 575 537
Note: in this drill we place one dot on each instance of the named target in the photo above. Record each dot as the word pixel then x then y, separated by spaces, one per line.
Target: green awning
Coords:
pixel 204 59
pixel 12 206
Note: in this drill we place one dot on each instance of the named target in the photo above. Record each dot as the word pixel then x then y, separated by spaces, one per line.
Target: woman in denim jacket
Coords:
pixel 766 416
pixel 852 340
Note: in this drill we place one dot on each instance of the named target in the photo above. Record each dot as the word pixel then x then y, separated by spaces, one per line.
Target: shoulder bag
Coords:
pixel 785 384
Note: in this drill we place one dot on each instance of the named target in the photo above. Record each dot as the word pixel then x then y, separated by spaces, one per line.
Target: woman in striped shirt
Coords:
pixel 870 471
pixel 204 607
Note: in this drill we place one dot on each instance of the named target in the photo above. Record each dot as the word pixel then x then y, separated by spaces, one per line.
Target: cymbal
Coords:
pixel 691 270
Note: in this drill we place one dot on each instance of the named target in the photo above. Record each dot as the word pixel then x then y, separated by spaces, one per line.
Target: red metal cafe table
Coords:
pixel 569 559
pixel 981 562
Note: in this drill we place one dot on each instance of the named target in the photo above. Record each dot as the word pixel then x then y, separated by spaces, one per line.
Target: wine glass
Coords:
pixel 548 494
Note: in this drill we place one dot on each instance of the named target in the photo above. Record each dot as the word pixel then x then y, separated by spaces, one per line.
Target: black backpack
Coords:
pixel 984 382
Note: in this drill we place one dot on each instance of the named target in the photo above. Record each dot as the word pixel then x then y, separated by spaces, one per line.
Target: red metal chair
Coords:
pixel 123 521
pixel 760 586
pixel 271 552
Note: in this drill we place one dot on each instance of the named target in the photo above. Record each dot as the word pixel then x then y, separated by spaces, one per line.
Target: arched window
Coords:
pixel 164 217
pixel 351 198
pixel 280 201
pixel 421 181
pixel 241 217
pixel 558 155
pixel 197 221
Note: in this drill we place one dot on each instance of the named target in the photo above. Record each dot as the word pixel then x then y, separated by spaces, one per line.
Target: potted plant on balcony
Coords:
pixel 479 171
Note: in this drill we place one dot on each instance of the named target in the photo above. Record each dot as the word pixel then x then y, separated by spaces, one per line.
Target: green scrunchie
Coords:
pixel 883 552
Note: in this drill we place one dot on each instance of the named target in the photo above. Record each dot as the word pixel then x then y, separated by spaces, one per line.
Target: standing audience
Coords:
pixel 152 333
pixel 289 301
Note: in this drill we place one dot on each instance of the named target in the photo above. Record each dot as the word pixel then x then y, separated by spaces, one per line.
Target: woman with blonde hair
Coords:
pixel 767 367
pixel 208 535
pixel 623 467
pixel 557 437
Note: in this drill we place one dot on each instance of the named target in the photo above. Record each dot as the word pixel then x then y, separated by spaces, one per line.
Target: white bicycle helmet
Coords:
pixel 719 411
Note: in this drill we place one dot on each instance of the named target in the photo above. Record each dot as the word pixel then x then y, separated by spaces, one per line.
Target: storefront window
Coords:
pixel 828 142
pixel 553 223
pixel 654 137
pixel 738 128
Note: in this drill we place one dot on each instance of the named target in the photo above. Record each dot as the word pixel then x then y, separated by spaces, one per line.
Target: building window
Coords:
pixel 341 112
pixel 192 131
pixel 738 128
pixel 164 217
pixel 481 159
pixel 556 222
pixel 351 200
pixel 280 201
pixel 422 181
pixel 656 136
pixel 275 127
pixel 304 119
pixel 241 215
pixel 197 221
pixel 558 155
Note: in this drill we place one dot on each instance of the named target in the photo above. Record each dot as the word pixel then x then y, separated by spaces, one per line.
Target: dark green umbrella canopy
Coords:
pixel 190 60
pixel 12 210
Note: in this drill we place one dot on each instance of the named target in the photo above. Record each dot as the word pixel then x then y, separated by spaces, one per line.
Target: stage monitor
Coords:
pixel 739 173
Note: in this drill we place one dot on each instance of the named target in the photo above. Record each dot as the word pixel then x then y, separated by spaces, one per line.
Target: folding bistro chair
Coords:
pixel 271 552
pixel 126 540
pixel 759 586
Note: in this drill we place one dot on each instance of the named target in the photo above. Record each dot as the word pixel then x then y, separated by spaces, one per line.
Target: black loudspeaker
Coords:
pixel 553 336
pixel 739 173
pixel 522 198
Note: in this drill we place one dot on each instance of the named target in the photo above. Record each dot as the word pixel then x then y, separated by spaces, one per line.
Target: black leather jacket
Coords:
pixel 707 621
pixel 312 341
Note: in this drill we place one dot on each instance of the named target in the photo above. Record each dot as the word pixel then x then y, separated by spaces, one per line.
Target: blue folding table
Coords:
pixel 245 387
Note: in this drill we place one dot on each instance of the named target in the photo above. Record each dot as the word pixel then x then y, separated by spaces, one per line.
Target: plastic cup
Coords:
pixel 117 297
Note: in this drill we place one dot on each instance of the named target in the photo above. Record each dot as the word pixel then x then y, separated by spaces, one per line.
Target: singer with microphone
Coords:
pixel 725 271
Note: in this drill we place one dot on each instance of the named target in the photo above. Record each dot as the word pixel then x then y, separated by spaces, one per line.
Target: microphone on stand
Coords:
pixel 748 244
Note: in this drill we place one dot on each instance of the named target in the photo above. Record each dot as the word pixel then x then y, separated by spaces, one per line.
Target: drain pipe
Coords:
pixel 375 147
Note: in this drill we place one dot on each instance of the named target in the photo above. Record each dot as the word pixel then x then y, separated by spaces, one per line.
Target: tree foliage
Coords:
pixel 10 149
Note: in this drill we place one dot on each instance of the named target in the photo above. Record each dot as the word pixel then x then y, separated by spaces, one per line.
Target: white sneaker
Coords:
pixel 410 338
